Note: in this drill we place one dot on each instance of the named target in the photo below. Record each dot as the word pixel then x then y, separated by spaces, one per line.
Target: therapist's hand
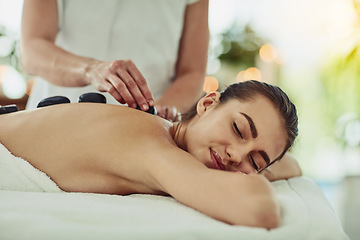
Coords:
pixel 122 80
pixel 168 112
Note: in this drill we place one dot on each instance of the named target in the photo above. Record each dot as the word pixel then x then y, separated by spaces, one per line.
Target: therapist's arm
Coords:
pixel 41 57
pixel 186 88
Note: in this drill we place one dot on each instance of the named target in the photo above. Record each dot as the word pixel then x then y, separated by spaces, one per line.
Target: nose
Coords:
pixel 232 159
pixel 235 154
pixel 238 158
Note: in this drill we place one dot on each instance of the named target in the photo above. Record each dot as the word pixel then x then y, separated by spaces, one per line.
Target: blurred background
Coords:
pixel 310 48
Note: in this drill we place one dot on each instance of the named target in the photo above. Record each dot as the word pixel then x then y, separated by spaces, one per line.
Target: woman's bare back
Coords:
pixel 89 147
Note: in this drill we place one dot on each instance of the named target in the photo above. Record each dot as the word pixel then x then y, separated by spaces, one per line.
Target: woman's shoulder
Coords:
pixel 90 115
pixel 138 119
pixel 130 122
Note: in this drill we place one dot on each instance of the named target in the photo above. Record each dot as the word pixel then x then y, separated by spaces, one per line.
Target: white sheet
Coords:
pixel 306 214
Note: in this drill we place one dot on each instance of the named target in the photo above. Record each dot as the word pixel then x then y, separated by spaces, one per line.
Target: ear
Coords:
pixel 210 100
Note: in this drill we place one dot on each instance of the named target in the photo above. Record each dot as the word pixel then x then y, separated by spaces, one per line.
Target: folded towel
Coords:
pixel 19 175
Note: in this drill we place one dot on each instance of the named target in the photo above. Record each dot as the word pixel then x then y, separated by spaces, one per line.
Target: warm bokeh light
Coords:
pixel 267 53
pixel 251 73
pixel 211 84
pixel 240 76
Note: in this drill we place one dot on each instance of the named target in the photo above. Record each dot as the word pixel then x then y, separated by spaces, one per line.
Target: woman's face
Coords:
pixel 236 136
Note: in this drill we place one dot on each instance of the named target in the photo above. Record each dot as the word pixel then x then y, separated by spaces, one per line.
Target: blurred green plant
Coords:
pixel 341 83
pixel 240 46
pixel 8 50
pixel 341 80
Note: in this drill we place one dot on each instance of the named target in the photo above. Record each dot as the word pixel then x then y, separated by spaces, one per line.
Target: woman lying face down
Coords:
pixel 207 162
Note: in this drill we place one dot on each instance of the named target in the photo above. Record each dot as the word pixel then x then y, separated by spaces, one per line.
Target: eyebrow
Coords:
pixel 254 134
pixel 265 157
pixel 253 130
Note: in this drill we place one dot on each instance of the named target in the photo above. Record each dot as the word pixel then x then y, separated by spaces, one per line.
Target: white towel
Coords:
pixel 19 175
pixel 306 215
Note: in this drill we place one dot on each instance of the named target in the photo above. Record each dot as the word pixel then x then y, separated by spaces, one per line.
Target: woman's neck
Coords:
pixel 178 133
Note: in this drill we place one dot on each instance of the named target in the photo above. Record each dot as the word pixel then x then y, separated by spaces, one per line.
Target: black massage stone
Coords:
pixel 92 97
pixel 52 101
pixel 8 109
pixel 151 110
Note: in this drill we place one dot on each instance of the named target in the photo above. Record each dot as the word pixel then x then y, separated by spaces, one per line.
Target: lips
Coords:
pixel 216 160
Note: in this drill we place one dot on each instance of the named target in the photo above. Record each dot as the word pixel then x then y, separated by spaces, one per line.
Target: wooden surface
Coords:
pixel 21 103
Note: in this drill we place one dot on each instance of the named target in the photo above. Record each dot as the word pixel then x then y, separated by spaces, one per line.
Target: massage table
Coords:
pixel 36 208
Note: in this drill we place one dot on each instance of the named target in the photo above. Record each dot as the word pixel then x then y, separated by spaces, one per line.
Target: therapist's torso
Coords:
pixel 146 32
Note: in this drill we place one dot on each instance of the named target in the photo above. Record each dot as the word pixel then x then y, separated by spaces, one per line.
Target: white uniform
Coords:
pixel 147 32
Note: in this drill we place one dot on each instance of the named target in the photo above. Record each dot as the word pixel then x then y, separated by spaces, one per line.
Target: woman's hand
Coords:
pixel 285 168
pixel 122 80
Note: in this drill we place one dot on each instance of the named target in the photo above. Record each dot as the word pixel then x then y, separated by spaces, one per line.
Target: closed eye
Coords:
pixel 253 163
pixel 237 131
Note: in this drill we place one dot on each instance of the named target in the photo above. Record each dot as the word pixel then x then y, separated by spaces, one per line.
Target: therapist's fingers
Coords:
pixel 171 113
pixel 119 88
pixel 168 112
pixel 141 83
pixel 133 88
pixel 130 84
pixel 161 111
pixel 122 80
pixel 106 86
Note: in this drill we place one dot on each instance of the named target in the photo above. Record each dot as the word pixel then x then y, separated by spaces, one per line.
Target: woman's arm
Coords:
pixel 235 199
pixel 226 196
pixel 41 57
pixel 191 63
